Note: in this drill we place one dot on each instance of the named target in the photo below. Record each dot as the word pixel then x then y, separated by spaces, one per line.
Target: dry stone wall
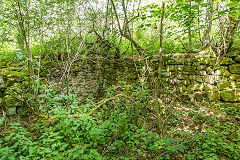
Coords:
pixel 91 76
pixel 198 77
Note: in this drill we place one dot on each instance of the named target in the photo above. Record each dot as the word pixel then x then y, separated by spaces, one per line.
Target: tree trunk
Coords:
pixel 189 27
pixel 207 31
pixel 158 108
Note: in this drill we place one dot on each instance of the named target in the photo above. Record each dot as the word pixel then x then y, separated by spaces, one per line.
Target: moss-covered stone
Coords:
pixel 235 77
pixel 171 68
pixel 211 62
pixel 174 61
pixel 16 75
pixel 237 84
pixel 207 87
pixel 133 76
pixel 226 61
pixel 23 111
pixel 231 105
pixel 49 63
pixel 200 96
pixel 1 102
pixel 183 89
pixel 140 122
pixel 199 79
pixel 226 85
pixel 182 76
pixel 237 59
pixel 202 60
pixel 11 105
pixel 194 86
pixel 209 79
pixel 215 94
pixel 237 95
pixel 219 79
pixel 55 88
pixel 227 95
pixel 188 68
pixel 43 74
pixel 235 68
pixel 223 72
pixel 201 67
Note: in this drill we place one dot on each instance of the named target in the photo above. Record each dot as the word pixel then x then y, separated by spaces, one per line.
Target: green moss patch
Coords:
pixel 227 95
pixel 235 68
pixel 226 61
pixel 226 85
pixel 237 59
pixel 235 77
pixel 237 95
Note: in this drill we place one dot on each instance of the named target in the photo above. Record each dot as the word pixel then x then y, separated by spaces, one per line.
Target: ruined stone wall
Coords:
pixel 198 77
pixel 91 76
pixel 194 76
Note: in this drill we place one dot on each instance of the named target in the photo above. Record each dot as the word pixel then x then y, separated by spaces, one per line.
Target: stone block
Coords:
pixel 211 62
pixel 237 59
pixel 235 77
pixel 171 68
pixel 194 86
pixel 230 95
pixel 203 73
pixel 234 105
pixel 201 67
pixel 237 85
pixel 188 68
pixel 179 67
pixel 186 82
pixel 215 94
pixel 200 96
pixel 199 79
pixel 218 79
pixel 209 79
pixel 237 95
pixel 223 72
pixel 202 61
pixel 182 76
pixel 207 87
pixel 226 61
pixel 235 68
pixel 11 111
pixel 174 61
pixel 227 95
pixel 226 85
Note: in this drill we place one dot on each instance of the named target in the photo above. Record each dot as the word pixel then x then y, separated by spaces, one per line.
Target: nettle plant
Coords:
pixel 71 132
pixel 77 128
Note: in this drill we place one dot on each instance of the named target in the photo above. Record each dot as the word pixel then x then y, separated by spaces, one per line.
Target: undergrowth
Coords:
pixel 78 128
